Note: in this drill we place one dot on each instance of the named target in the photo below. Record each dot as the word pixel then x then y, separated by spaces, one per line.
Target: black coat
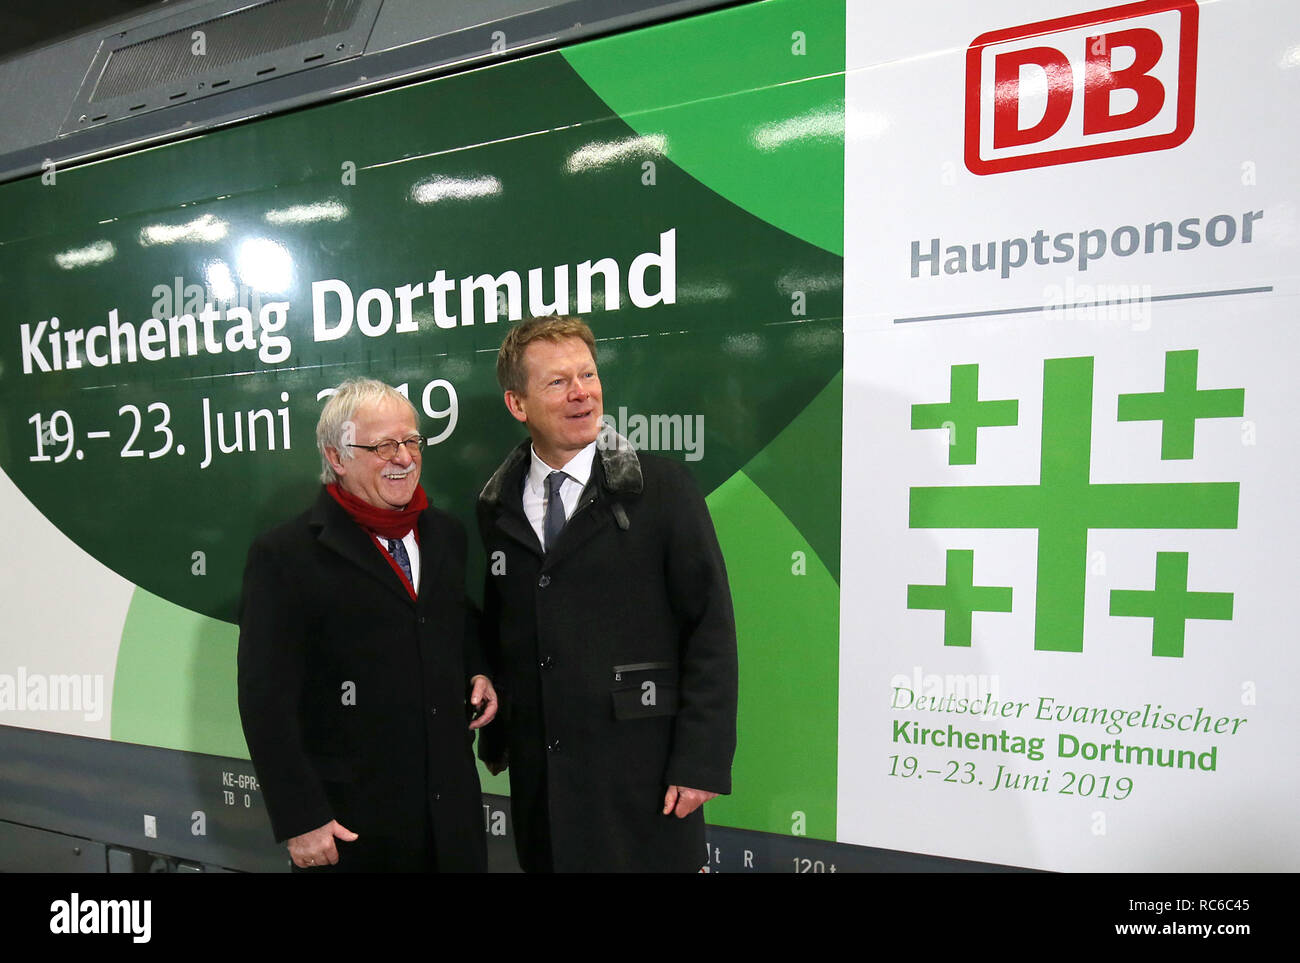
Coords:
pixel 615 655
pixel 323 608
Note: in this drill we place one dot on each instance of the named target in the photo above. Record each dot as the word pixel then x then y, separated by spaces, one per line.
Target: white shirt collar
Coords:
pixel 577 468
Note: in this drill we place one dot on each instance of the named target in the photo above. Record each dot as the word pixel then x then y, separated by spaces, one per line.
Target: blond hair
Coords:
pixel 511 372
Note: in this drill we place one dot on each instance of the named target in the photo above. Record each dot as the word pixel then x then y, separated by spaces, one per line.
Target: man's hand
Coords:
pixel 483 695
pixel 685 801
pixel 316 848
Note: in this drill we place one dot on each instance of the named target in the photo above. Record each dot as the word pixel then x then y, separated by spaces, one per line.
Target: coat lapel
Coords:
pixel 504 494
pixel 515 524
pixel 340 534
pixel 589 516
pixel 432 554
pixel 615 476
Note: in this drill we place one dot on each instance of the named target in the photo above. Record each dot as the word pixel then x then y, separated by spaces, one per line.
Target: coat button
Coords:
pixel 437 796
pixel 547 662
pixel 433 711
pixel 544 581
pixel 553 746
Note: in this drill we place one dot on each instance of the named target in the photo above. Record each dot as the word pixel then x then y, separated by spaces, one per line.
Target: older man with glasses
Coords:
pixel 360 675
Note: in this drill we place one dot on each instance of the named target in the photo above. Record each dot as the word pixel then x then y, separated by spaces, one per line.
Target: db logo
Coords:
pixel 1115 81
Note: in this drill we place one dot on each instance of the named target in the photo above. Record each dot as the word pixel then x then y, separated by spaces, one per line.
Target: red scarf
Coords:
pixel 387 522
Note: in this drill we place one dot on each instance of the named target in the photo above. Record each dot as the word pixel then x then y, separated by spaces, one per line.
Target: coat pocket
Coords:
pixel 645 690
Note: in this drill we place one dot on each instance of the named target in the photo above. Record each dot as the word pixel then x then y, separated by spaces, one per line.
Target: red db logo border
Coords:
pixel 1186 88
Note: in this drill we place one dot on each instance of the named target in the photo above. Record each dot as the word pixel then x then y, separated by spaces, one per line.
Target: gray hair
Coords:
pixel 335 428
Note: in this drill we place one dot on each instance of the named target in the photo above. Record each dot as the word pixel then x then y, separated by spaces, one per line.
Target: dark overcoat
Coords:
pixel 353 695
pixel 615 657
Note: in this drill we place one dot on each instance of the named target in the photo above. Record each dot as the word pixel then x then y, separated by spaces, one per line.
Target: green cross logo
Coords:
pixel 1065 504
pixel 1170 605
pixel 964 414
pixel 959 597
pixel 1179 406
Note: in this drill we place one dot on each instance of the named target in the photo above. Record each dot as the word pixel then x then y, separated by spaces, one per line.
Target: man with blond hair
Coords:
pixel 360 674
pixel 608 624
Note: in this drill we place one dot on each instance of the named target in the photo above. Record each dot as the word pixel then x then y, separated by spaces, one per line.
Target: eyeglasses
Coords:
pixel 387 450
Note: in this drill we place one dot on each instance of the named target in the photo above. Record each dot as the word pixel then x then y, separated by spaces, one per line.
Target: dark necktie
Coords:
pixel 554 521
pixel 398 551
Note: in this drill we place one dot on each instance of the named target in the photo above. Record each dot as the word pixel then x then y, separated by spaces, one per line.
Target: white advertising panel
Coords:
pixel 1069 520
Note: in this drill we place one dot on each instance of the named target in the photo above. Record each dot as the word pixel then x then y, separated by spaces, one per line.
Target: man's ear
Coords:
pixel 332 456
pixel 515 405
